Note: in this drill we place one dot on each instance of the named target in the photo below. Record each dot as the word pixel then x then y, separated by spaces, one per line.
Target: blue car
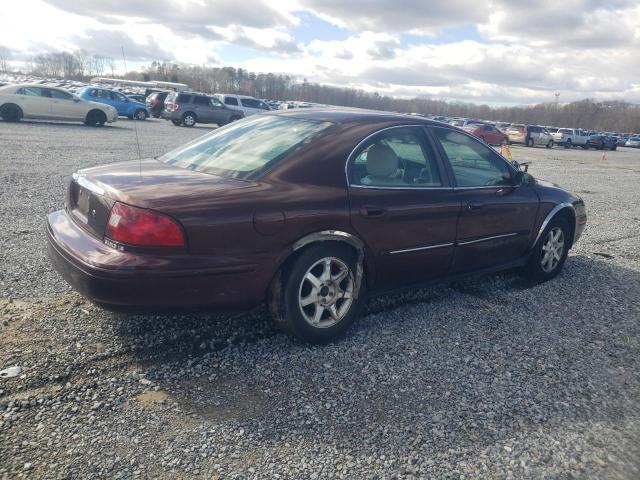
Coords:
pixel 125 106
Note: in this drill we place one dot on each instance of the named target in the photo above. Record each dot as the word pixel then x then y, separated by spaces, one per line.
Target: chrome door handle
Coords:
pixel 372 211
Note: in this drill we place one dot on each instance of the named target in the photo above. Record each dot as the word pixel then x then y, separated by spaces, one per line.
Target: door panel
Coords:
pixel 34 102
pixel 63 106
pixel 497 218
pixel 402 206
pixel 409 232
pixel 495 226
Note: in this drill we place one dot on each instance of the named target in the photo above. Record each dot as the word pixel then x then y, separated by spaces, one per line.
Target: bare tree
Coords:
pixel 4 59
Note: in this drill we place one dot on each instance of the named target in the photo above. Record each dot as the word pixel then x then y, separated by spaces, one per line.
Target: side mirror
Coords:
pixel 522 178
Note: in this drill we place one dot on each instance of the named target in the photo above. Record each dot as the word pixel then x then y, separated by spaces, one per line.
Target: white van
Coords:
pixel 246 104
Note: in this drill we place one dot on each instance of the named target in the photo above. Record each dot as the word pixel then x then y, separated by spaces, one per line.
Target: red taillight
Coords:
pixel 136 226
pixel 174 107
pixel 154 102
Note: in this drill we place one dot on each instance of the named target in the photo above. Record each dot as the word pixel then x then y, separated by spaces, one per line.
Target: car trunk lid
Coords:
pixel 146 183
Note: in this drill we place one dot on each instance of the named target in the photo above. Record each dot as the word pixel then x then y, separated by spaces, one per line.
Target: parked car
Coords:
pixel 633 142
pixel 487 133
pixel 155 103
pixel 309 211
pixel 50 103
pixel 190 108
pixel 125 106
pixel 570 137
pixel 248 105
pixel 603 142
pixel 137 98
pixel 529 135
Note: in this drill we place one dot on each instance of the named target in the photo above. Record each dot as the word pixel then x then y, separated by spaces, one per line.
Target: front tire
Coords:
pixel 177 123
pixel 568 144
pixel 95 118
pixel 550 144
pixel 11 112
pixel 140 114
pixel 316 299
pixel 550 253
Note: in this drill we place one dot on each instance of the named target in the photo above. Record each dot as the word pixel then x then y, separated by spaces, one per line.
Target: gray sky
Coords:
pixel 499 51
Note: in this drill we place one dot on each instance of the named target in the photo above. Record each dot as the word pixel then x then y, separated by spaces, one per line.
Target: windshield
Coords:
pixel 246 148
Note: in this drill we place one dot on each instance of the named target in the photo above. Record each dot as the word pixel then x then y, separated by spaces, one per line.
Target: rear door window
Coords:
pixel 32 92
pixel 182 98
pixel 231 101
pixel 397 157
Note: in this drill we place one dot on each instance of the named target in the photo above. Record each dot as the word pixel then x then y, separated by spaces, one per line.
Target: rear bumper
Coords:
pixel 146 282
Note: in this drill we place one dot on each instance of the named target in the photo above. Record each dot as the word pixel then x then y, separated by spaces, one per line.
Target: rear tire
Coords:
pixel 586 146
pixel 235 118
pixel 550 253
pixel 314 299
pixel 11 112
pixel 568 144
pixel 529 142
pixel 189 119
pixel 550 144
pixel 95 118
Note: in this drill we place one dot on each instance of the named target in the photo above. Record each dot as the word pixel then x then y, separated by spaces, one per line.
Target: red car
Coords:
pixel 487 133
pixel 309 211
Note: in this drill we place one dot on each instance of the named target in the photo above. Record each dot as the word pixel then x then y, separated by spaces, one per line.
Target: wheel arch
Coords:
pixel 561 210
pixel 97 111
pixel 334 236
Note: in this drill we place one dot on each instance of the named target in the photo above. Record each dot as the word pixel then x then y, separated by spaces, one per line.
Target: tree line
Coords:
pixel 618 116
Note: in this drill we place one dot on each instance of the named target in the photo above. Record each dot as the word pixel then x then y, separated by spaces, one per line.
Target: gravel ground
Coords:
pixel 486 378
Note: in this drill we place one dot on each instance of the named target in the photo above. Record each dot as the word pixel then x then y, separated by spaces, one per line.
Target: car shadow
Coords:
pixel 65 125
pixel 483 363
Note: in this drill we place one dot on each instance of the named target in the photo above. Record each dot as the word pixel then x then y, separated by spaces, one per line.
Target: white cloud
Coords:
pixel 580 48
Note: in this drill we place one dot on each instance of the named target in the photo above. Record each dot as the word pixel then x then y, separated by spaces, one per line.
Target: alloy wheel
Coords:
pixel 552 249
pixel 326 292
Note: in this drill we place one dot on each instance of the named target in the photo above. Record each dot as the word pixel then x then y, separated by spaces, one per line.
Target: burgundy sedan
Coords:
pixel 309 211
pixel 487 133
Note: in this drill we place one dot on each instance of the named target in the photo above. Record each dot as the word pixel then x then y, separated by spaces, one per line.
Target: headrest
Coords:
pixel 382 161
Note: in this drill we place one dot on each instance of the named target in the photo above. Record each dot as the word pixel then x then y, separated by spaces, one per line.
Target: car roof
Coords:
pixel 353 115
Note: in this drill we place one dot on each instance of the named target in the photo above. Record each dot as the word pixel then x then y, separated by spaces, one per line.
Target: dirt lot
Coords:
pixel 486 378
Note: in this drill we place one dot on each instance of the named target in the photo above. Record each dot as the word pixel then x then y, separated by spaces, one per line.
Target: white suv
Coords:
pixel 244 103
pixel 49 103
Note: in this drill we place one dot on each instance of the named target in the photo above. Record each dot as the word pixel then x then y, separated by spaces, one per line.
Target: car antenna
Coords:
pixel 135 122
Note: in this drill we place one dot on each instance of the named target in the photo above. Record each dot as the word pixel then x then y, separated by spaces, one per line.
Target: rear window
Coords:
pixel 247 148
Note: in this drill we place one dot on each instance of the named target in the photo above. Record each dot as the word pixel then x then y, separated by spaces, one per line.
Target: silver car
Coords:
pixel 50 103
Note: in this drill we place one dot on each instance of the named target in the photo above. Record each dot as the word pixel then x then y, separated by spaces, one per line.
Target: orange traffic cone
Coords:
pixel 603 157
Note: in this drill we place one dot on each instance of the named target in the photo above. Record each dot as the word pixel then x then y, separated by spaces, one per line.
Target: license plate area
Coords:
pixel 81 203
